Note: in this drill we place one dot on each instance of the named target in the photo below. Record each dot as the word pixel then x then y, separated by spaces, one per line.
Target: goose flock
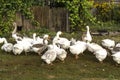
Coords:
pixel 61 46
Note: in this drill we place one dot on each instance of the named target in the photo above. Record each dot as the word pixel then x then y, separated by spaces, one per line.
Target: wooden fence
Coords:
pixel 51 18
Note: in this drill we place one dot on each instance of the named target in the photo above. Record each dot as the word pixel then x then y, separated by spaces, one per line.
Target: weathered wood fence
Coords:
pixel 51 18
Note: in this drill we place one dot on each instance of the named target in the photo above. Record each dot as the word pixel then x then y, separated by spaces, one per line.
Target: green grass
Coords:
pixel 109 26
pixel 31 67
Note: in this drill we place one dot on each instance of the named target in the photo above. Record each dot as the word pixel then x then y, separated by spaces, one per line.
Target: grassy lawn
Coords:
pixel 31 67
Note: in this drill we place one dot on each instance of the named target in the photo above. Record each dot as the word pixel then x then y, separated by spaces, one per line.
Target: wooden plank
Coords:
pixel 18 19
pixel 50 18
pixel 41 15
pixel 58 19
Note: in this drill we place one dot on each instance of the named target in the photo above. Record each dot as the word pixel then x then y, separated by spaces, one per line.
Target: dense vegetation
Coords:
pixel 98 14
pixel 8 10
pixel 79 12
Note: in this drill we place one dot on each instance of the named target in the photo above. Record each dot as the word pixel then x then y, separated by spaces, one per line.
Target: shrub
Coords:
pixel 103 11
pixel 116 13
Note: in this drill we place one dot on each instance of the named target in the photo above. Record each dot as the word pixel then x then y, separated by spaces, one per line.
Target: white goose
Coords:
pixel 22 45
pixel 108 43
pixel 16 38
pixel 101 55
pixel 50 55
pixel 15 28
pixel 26 44
pixel 98 51
pixel 17 49
pixel 115 49
pixel 61 53
pixel 117 45
pixel 40 47
pixel 92 47
pixel 78 48
pixel 26 47
pixel 116 53
pixel 31 44
pixel 29 39
pixel 116 57
pixel 38 40
pixel 2 40
pixel 14 33
pixel 7 46
pixel 87 37
pixel 72 41
pixel 63 42
pixel 56 38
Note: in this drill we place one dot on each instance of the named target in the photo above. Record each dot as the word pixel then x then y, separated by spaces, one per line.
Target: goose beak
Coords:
pixel 111 48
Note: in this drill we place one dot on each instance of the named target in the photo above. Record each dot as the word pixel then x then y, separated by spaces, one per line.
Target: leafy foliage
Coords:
pixel 103 11
pixel 8 9
pixel 79 13
pixel 116 13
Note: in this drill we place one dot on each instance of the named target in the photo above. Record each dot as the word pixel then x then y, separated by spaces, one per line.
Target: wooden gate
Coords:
pixel 51 18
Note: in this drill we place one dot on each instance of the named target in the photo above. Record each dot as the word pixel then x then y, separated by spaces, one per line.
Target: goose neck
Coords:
pixel 58 35
pixel 45 41
pixel 88 30
pixel 5 41
pixel 15 28
pixel 54 44
pixel 34 37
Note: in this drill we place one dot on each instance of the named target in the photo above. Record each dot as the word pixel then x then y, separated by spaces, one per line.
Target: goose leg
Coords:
pixel 39 54
pixel 26 53
pixel 76 56
pixel 63 61
pixel 51 64
pixel 101 62
pixel 116 65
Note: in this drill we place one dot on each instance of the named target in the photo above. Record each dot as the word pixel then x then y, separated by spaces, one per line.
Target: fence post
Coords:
pixel 67 22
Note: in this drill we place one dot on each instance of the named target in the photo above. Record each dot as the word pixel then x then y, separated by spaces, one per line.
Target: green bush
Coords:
pixel 103 11
pixel 116 13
